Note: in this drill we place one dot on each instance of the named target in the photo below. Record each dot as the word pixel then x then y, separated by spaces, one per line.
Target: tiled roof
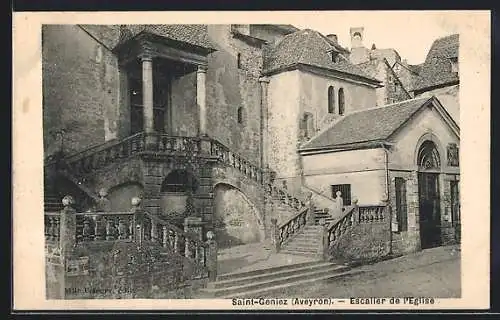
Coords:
pixel 436 69
pixel 308 47
pixel 193 34
pixel 375 124
pixel 415 68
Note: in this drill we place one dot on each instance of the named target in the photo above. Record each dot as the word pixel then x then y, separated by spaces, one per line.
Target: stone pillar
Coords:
pixel 211 256
pixel 147 93
pixel 413 212
pixel 264 84
pixel 67 226
pixel 201 98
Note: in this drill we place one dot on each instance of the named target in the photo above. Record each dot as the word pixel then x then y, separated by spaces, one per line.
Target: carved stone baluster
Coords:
pixel 100 228
pixel 154 231
pixel 110 229
pixel 176 242
pixel 164 236
pixel 52 226
pixel 57 228
pixel 122 228
pixel 87 229
pixel 187 248
pixel 131 227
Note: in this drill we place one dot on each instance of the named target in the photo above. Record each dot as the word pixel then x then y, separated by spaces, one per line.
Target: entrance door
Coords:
pixel 430 217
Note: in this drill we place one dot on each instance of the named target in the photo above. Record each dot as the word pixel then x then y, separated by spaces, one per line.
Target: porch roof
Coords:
pixel 194 35
pixel 363 128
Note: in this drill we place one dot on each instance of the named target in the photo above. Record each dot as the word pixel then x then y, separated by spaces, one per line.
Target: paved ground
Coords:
pixel 252 257
pixel 430 273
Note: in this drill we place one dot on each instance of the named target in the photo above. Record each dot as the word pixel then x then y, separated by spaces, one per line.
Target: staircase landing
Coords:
pixel 255 256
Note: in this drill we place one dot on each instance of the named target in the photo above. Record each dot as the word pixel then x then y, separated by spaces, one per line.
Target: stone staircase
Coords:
pixel 307 243
pixel 260 282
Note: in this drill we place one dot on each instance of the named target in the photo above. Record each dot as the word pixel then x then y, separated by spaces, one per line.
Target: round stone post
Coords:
pixel 67 226
pixel 138 220
pixel 211 256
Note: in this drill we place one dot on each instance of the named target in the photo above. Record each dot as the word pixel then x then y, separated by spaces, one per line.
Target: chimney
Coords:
pixel 333 38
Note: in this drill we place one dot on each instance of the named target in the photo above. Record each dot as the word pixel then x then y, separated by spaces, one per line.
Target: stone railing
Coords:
pixel 232 159
pixel 339 226
pixel 371 214
pixel 265 177
pixel 97 157
pixel 352 215
pixel 137 226
pixel 288 229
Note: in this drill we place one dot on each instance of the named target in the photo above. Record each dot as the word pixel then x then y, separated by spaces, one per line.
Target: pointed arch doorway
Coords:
pixel 429 166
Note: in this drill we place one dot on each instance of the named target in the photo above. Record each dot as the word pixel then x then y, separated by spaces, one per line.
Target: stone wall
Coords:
pixel 364 170
pixel 80 88
pixel 236 219
pixel 364 242
pixel 230 88
pixel 184 109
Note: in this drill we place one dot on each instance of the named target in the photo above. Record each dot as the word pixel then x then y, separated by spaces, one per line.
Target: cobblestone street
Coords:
pixel 430 273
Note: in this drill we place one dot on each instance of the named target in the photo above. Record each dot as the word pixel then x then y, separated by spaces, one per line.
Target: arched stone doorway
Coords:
pixel 429 167
pixel 176 195
pixel 237 221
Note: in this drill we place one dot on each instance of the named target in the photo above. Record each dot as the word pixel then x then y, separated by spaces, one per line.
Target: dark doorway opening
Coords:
pixel 430 211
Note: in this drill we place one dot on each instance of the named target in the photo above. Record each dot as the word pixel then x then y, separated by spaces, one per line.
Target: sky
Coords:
pixel 410 33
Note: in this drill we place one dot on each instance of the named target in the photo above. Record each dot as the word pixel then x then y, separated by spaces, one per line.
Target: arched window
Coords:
pixel 341 102
pixel 331 99
pixel 240 115
pixel 428 156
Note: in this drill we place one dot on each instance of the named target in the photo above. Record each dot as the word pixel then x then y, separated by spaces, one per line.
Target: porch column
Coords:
pixel 264 83
pixel 201 98
pixel 147 93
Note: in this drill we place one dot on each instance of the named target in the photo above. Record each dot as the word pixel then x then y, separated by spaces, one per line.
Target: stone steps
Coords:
pixel 256 282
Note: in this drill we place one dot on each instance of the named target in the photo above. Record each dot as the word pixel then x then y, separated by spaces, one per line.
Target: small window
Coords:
pixel 331 99
pixel 240 115
pixel 345 192
pixel 238 60
pixel 341 102
pixel 307 125
pixel 401 207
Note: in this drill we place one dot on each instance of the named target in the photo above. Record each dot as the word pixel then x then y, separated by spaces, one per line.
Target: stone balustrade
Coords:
pixel 67 229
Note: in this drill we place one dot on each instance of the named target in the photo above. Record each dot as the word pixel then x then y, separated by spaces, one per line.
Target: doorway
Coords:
pixel 429 200
pixel 430 211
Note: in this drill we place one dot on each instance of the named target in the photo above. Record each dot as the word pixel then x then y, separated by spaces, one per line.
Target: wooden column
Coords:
pixel 201 98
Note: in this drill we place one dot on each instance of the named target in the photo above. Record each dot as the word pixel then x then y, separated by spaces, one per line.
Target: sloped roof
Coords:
pixel 192 34
pixel 375 124
pixel 308 47
pixel 436 70
pixel 415 68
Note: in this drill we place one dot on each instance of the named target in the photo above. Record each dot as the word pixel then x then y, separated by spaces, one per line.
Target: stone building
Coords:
pixel 384 64
pixel 439 75
pixel 217 122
